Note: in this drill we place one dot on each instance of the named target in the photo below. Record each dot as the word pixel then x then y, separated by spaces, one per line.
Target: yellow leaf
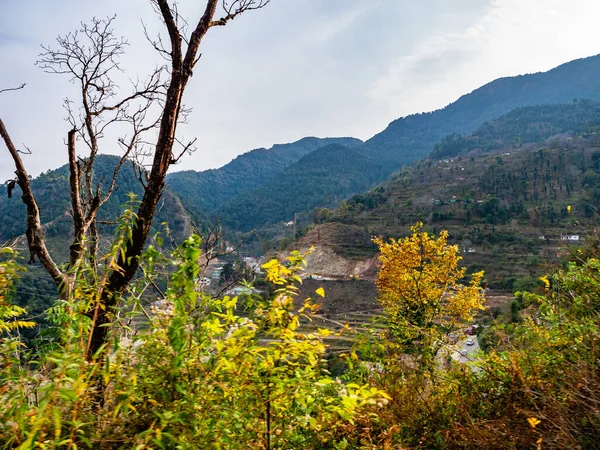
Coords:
pixel 533 421
pixel 321 292
pixel 384 394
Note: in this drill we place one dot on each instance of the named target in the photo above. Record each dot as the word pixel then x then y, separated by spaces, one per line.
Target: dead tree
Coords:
pixel 90 57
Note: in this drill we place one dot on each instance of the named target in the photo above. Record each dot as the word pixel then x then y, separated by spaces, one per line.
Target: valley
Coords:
pixel 403 251
pixel 517 194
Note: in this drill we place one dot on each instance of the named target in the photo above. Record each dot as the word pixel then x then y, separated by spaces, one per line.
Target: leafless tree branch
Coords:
pixel 27 150
pixel 90 57
pixel 12 88
pixel 234 8
pixel 35 233
pixel 187 149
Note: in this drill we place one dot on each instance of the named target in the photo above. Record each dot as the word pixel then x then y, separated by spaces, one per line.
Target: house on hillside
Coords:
pixel 252 263
pixel 216 272
pixel 569 237
pixel 241 290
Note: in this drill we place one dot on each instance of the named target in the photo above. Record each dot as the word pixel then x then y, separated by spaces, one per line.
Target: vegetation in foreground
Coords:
pixel 204 373
pixel 233 372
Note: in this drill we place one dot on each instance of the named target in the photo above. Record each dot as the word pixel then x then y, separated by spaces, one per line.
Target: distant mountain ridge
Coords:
pixel 527 124
pixel 411 138
pixel 307 183
pixel 205 192
pixel 269 185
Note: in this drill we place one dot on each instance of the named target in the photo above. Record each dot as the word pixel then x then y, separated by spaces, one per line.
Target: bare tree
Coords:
pixel 90 57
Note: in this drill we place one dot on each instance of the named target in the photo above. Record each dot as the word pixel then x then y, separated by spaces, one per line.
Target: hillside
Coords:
pixel 524 125
pixel 51 190
pixel 509 210
pixel 413 137
pixel 242 189
pixel 321 178
pixel 204 193
pixel 339 251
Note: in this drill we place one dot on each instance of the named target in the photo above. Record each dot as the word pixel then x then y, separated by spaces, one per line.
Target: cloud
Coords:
pixel 512 37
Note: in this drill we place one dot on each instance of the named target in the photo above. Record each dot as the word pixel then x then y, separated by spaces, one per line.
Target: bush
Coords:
pixel 206 373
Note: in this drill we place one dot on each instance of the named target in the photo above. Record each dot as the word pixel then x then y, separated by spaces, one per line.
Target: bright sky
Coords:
pixel 297 67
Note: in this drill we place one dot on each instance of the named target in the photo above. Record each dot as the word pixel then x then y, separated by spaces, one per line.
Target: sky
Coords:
pixel 294 68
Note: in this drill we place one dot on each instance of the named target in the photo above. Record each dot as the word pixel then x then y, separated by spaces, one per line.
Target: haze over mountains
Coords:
pixel 266 186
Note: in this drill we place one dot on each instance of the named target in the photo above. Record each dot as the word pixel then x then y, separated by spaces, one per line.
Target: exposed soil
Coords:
pixel 342 297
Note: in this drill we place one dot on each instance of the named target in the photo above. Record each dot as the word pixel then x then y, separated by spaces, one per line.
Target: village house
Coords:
pixel 569 237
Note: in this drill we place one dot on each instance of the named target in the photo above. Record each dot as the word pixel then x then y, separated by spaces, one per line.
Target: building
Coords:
pixel 569 237
pixel 216 272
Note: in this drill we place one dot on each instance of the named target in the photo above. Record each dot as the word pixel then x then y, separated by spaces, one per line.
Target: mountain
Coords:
pixel 509 205
pixel 268 185
pixel 51 190
pixel 203 193
pixel 321 178
pixel 524 125
pixel 241 189
pixel 413 137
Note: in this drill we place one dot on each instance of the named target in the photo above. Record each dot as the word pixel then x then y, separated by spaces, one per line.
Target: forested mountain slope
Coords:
pixel 413 137
pixel 203 193
pixel 52 193
pixel 321 178
pixel 241 191
pixel 509 209
pixel 524 125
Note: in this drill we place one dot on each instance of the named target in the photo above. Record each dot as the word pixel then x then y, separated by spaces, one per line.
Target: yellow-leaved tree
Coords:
pixel 420 291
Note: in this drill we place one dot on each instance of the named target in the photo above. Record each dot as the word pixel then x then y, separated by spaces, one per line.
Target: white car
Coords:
pixel 470 342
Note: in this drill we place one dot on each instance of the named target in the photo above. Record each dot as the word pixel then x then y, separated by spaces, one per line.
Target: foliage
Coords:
pixel 225 373
pixel 419 289
pixel 207 192
pixel 203 373
pixel 539 389
pixel 8 311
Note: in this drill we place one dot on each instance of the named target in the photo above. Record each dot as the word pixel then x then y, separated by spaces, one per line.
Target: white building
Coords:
pixel 569 237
